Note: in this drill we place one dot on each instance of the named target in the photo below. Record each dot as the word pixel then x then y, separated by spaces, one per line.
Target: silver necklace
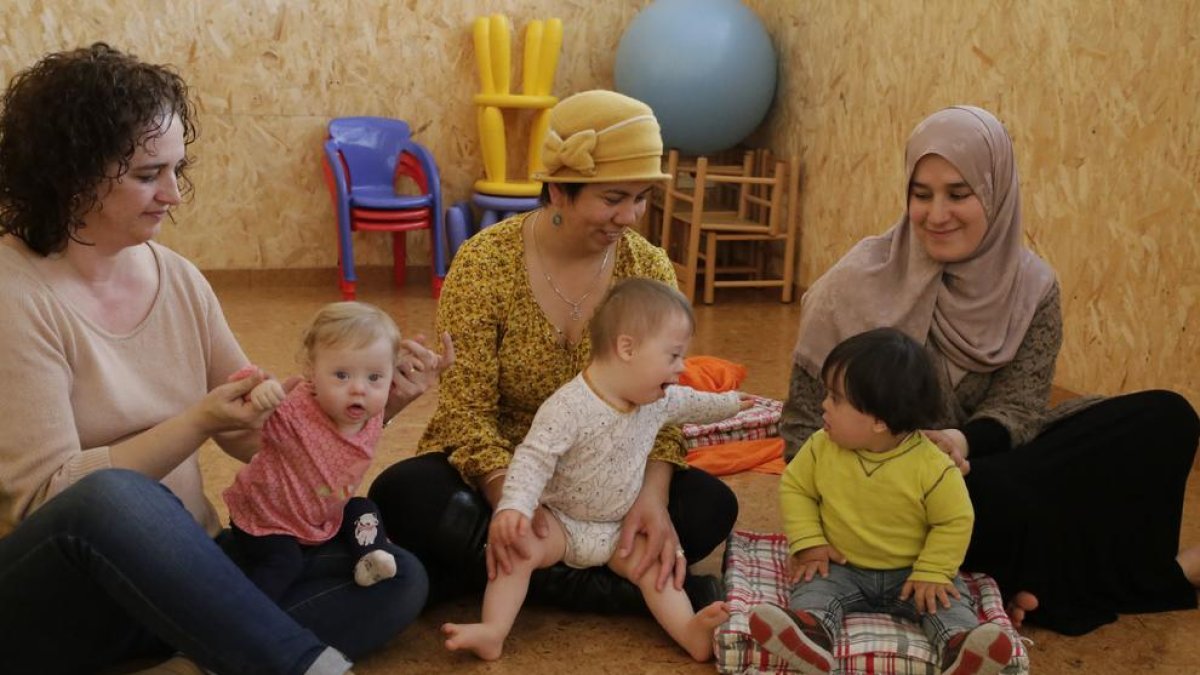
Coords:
pixel 576 305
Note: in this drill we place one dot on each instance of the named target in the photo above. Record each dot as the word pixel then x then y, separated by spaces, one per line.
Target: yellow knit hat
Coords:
pixel 602 137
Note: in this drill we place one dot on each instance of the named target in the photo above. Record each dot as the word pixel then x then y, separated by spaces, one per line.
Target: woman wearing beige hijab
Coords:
pixel 1078 509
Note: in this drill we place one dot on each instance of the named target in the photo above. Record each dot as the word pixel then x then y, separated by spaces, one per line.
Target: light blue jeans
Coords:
pixel 851 589
pixel 115 568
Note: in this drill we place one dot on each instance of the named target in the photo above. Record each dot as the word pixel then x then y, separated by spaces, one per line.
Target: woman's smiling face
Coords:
pixel 947 216
pixel 601 212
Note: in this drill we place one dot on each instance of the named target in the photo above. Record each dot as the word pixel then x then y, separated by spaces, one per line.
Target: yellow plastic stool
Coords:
pixel 493 36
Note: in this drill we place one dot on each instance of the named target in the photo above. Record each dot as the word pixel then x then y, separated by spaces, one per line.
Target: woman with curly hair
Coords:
pixel 107 542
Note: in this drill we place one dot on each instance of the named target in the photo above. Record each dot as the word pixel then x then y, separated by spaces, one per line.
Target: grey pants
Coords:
pixel 851 589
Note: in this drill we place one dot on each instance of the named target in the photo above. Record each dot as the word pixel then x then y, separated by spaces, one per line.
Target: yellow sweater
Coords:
pixel 907 507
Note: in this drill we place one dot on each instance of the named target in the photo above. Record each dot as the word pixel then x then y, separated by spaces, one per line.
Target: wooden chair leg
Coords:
pixel 789 268
pixel 691 263
pixel 710 268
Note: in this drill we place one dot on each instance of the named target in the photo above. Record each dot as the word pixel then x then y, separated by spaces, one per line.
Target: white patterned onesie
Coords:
pixel 585 460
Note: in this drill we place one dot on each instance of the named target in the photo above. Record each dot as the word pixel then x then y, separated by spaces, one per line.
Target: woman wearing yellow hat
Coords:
pixel 516 303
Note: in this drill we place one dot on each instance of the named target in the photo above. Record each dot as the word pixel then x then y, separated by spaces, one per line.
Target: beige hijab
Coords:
pixel 975 311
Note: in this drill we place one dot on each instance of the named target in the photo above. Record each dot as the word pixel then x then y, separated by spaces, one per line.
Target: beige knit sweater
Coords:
pixel 73 389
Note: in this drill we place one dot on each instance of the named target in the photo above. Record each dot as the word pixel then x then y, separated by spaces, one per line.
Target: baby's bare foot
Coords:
pixel 698 636
pixel 481 639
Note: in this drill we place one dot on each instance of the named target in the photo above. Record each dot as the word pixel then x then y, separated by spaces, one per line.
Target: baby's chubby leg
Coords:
pixel 514 551
pixel 671 607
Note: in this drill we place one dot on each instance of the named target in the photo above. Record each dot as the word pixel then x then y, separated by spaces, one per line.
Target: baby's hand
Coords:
pixel 811 561
pixel 745 401
pixel 505 533
pixel 267 395
pixel 927 594
pixel 508 527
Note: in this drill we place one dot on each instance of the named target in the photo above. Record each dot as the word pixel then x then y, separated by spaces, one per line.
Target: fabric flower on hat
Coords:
pixel 574 153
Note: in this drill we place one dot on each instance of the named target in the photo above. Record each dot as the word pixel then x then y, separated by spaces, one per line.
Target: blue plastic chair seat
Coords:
pixel 386 198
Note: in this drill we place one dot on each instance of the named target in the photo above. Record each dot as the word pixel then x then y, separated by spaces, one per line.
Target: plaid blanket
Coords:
pixel 761 420
pixel 875 644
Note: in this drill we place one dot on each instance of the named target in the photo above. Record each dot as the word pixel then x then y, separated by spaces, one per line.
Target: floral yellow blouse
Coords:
pixel 508 359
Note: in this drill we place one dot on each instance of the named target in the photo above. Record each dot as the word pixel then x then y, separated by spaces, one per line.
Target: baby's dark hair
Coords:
pixel 65 121
pixel 887 375
pixel 636 307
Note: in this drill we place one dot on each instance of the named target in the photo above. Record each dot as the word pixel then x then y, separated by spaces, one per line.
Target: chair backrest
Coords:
pixel 762 189
pixel 372 148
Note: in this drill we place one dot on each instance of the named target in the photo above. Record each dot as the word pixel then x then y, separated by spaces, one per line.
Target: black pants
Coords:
pixel 1087 515
pixel 276 561
pixel 414 496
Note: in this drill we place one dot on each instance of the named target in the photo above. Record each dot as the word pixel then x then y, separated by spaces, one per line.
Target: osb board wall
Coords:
pixel 269 74
pixel 1100 97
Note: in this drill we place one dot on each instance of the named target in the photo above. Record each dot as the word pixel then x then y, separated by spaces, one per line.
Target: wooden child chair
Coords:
pixel 763 211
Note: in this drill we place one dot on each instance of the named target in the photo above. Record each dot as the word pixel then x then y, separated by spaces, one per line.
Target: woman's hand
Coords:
pixel 417 369
pixel 228 407
pixel 649 517
pixel 806 563
pixel 952 442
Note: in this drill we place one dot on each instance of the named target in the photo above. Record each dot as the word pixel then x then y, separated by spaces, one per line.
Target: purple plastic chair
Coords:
pixel 363 158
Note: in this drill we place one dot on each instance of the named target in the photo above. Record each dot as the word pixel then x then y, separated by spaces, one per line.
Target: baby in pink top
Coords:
pixel 298 489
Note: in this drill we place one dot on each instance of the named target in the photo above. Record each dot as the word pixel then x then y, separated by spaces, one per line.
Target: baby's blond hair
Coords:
pixel 347 324
pixel 638 308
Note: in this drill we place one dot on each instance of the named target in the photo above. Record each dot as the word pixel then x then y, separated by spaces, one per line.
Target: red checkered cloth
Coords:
pixel 870 644
pixel 761 420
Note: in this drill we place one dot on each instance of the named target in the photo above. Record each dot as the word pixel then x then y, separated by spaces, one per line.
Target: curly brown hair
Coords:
pixel 65 121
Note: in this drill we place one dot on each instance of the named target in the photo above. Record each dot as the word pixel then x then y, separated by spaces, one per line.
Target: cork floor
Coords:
pixel 268 312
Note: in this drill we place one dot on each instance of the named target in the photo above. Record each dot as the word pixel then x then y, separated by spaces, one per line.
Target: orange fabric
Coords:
pixel 763 456
pixel 709 373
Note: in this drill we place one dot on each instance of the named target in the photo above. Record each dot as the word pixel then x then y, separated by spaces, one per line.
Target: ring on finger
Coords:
pixel 679 553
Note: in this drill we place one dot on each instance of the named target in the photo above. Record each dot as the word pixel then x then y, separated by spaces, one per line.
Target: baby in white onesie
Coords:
pixel 584 459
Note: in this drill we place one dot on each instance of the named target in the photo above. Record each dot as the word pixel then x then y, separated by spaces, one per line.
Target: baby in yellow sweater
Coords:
pixel 877 517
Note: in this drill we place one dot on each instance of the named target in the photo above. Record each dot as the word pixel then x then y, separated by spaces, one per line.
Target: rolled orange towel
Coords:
pixel 709 373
